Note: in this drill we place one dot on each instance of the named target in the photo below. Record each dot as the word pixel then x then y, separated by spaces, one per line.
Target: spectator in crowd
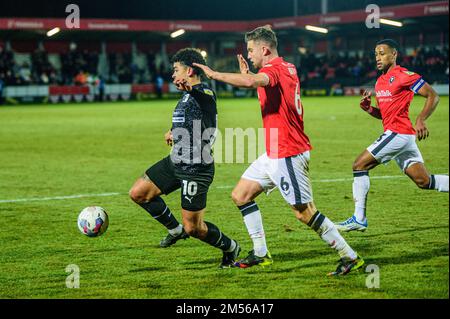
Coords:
pixel 317 70
pixel 80 78
pixel 2 75
pixel 25 73
pixel 101 88
pixel 159 82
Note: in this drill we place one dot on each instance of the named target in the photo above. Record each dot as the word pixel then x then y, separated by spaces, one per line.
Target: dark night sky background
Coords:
pixel 181 9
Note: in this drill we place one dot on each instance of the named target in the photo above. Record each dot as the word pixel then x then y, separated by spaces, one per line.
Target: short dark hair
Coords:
pixel 187 57
pixel 390 43
pixel 265 34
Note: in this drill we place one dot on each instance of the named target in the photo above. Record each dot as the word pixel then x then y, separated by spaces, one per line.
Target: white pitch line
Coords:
pixel 33 199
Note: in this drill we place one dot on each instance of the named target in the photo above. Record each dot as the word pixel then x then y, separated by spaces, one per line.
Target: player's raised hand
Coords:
pixel 243 65
pixel 169 138
pixel 421 130
pixel 206 69
pixel 182 85
pixel 366 101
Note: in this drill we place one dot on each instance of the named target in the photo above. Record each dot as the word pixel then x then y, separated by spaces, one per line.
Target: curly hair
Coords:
pixel 187 57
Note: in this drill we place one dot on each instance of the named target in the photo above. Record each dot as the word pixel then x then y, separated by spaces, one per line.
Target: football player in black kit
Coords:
pixel 190 165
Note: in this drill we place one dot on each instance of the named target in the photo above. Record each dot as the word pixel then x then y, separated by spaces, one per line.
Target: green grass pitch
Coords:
pixel 63 150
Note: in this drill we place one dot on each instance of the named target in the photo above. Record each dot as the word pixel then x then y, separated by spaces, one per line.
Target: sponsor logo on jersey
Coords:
pixel 185 98
pixel 409 72
pixel 178 116
pixel 383 93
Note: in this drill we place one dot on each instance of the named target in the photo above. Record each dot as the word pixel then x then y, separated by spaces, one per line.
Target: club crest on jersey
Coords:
pixel 208 91
pixel 392 78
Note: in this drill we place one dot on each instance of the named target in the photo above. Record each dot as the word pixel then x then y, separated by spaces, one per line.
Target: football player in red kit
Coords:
pixel 394 90
pixel 285 163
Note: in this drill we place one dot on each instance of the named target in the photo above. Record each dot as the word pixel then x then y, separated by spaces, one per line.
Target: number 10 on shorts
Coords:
pixel 189 188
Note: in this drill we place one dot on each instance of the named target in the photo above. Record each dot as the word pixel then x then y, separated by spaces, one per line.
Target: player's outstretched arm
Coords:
pixel 430 105
pixel 236 79
pixel 365 104
pixel 243 65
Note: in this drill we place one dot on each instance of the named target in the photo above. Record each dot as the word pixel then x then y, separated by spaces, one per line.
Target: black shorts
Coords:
pixel 194 186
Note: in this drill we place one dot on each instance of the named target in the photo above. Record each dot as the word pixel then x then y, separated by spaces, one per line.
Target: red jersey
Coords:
pixel 394 93
pixel 282 110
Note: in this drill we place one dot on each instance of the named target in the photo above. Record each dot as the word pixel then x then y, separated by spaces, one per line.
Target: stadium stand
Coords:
pixel 136 63
pixel 76 67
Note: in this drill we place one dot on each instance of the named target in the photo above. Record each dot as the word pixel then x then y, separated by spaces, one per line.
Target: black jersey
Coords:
pixel 194 126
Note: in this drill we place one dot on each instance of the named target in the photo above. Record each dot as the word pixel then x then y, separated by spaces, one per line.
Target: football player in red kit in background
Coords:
pixel 394 90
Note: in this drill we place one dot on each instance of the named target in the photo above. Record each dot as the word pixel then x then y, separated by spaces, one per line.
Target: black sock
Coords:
pixel 216 238
pixel 159 210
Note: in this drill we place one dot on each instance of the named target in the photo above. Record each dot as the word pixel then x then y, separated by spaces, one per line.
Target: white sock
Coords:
pixel 176 231
pixel 361 185
pixel 439 183
pixel 253 222
pixel 255 229
pixel 327 231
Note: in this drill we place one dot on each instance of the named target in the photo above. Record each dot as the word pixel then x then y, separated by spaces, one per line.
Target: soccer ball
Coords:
pixel 93 221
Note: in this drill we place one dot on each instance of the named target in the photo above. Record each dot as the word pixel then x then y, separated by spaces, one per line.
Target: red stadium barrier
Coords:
pixel 147 88
pixel 68 90
pixel 142 88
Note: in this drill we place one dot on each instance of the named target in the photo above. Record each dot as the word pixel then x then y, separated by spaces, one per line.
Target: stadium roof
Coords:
pixel 418 17
pixel 424 9
pixel 230 10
